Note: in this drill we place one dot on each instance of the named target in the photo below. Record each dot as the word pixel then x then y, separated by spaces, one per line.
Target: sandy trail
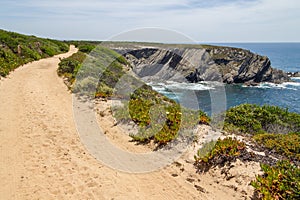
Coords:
pixel 41 156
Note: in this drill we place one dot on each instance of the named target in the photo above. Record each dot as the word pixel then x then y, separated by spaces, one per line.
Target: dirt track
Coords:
pixel 41 156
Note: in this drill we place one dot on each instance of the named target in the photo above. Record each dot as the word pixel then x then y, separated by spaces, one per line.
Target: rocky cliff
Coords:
pixel 200 63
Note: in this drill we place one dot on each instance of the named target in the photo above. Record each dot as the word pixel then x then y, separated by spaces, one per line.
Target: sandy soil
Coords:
pixel 41 156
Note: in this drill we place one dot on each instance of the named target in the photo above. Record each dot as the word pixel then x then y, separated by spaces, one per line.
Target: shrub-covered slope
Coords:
pixel 254 119
pixel 271 129
pixel 99 75
pixel 17 49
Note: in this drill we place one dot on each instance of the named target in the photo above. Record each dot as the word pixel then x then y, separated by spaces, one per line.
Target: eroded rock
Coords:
pixel 206 63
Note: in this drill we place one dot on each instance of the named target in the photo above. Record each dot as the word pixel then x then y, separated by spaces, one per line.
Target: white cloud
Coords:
pixel 215 20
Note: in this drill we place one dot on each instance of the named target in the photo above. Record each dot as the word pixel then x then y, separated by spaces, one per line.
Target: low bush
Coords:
pixel 254 119
pixel 278 182
pixel 17 49
pixel 68 67
pixel 218 153
pixel 159 118
pixel 109 78
pixel 86 48
pixel 284 144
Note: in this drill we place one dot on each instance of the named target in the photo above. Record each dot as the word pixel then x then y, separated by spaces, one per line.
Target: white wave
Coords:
pixel 272 85
pixel 295 78
pixel 202 86
pixel 188 86
pixel 213 83
pixel 287 85
pixel 262 85
pixel 296 84
pixel 158 88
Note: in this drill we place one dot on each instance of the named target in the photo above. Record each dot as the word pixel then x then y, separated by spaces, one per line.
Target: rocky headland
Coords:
pixel 196 63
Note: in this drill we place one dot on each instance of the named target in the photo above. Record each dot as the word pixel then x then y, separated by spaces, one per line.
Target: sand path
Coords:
pixel 41 156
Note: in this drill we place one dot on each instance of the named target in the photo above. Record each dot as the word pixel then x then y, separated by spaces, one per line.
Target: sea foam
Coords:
pixel 286 85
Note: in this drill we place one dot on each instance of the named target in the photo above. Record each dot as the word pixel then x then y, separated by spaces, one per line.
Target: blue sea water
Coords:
pixel 208 96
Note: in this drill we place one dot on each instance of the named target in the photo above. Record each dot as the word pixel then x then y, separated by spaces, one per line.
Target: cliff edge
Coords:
pixel 197 63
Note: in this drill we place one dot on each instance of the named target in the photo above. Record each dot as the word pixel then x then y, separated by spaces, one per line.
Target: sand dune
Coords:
pixel 41 156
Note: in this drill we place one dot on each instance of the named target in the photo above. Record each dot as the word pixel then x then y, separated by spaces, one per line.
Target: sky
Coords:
pixel 199 20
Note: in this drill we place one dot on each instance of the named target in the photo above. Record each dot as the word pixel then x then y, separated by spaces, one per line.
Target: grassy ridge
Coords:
pixel 17 49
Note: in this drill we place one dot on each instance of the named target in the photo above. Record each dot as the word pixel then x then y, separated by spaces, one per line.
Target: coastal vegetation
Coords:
pixel 287 145
pixel 17 49
pixel 254 119
pixel 68 67
pixel 278 182
pixel 98 77
pixel 272 129
pixel 218 153
pixel 161 119
pixel 97 70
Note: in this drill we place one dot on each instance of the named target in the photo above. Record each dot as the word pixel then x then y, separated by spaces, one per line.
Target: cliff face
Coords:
pixel 208 63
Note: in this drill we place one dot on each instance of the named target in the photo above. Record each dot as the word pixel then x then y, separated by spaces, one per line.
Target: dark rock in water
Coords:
pixel 251 83
pixel 293 74
pixel 279 76
pixel 201 63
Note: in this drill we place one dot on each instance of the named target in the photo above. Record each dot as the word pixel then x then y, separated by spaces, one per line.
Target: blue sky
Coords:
pixel 202 20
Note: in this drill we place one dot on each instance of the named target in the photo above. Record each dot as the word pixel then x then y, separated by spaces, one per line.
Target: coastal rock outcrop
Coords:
pixel 201 63
pixel 293 74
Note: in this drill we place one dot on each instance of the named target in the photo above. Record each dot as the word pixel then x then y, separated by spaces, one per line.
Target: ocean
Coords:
pixel 215 97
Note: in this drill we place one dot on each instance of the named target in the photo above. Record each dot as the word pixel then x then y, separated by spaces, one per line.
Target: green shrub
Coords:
pixel 17 49
pixel 86 86
pixel 284 144
pixel 102 63
pixel 68 67
pixel 103 91
pixel 204 152
pixel 160 118
pixel 61 46
pixel 86 48
pixel 254 119
pixel 279 182
pixel 146 103
pixel 218 153
pixel 225 147
pixel 48 50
